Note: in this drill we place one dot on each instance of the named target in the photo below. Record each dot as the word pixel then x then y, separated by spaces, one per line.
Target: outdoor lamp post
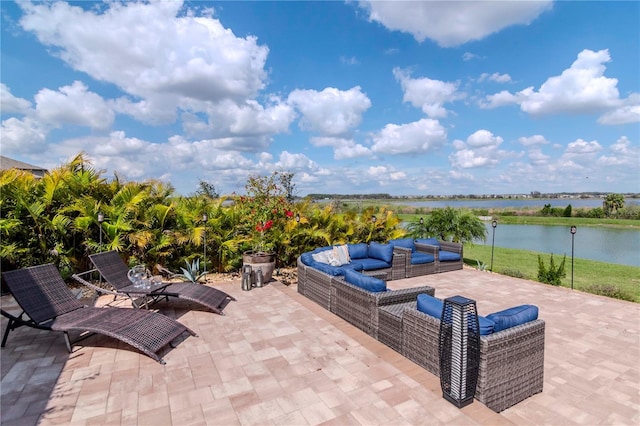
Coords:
pixel 205 218
pixel 100 220
pixel 494 224
pixel 422 233
pixel 573 234
pixel 297 217
pixel 373 219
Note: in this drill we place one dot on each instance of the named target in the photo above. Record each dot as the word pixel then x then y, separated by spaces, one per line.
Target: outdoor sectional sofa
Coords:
pixel 374 259
pixel 511 358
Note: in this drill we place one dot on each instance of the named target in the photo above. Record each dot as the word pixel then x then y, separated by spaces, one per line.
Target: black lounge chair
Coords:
pixel 114 271
pixel 50 305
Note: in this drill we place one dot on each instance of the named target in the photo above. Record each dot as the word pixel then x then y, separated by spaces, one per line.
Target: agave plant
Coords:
pixel 192 271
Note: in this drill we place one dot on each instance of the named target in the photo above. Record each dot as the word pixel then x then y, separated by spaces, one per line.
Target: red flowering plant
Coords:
pixel 264 212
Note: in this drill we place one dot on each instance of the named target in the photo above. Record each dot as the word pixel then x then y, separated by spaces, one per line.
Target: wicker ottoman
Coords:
pixel 390 324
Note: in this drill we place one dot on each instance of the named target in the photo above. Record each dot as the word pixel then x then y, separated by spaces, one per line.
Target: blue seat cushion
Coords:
pixel 513 316
pixel 365 282
pixel 430 241
pixel 369 264
pixel 430 305
pixel 448 256
pixel 418 258
pixel 358 251
pixel 381 251
pixel 433 307
pixel 487 326
pixel 405 243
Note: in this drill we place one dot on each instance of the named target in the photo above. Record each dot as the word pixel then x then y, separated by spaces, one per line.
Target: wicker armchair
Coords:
pixel 416 270
pixel 448 265
pixel 360 307
pixel 511 360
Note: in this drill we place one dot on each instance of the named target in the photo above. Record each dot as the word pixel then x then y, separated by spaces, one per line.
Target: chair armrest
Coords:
pixel 401 262
pixel 428 249
pixel 452 247
pixel 391 297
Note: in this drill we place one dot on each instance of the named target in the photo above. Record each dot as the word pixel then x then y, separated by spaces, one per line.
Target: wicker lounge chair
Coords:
pixel 50 305
pixel 114 271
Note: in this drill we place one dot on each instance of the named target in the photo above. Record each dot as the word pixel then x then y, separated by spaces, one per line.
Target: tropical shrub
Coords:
pixel 553 274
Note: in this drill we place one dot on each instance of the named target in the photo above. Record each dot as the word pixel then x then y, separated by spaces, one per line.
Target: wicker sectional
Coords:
pixel 511 361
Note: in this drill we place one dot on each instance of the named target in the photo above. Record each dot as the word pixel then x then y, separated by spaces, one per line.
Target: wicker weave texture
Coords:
pixel 114 271
pixel 390 324
pixel 360 307
pixel 41 292
pixel 511 361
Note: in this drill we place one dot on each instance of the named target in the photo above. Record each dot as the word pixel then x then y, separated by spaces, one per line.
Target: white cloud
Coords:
pixel 342 148
pixel 22 136
pixel 622 154
pixel 629 113
pixel 427 94
pixel 412 138
pixel 384 174
pixel 173 53
pixel 295 162
pixel 533 140
pixel 480 150
pixel 452 23
pixel 537 157
pixel 468 56
pixel 10 104
pixel 580 146
pixel 331 112
pixel 495 77
pixel 580 89
pixel 74 105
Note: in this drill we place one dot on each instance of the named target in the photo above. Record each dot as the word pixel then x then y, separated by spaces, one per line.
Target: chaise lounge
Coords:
pixel 49 304
pixel 113 269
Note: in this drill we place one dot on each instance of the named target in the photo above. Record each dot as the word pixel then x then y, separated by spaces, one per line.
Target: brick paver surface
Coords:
pixel 278 358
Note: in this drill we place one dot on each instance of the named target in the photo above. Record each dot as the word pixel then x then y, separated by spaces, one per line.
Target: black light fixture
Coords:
pixel 374 218
pixel 100 220
pixel 205 218
pixel 298 217
pixel 494 224
pixel 421 221
pixel 573 234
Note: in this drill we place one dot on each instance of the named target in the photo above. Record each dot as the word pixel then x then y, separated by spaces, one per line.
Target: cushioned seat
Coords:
pixel 447 256
pixel 369 264
pixel 420 258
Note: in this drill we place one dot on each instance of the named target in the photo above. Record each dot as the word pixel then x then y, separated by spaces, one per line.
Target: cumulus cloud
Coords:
pixel 427 94
pixel 452 23
pixel 622 154
pixel 342 148
pixel 580 146
pixel 479 150
pixel 23 136
pixel 10 104
pixel 172 53
pixel 385 174
pixel 580 89
pixel 74 105
pixel 295 162
pixel 533 140
pixel 625 114
pixel 331 112
pixel 468 56
pixel 495 77
pixel 412 138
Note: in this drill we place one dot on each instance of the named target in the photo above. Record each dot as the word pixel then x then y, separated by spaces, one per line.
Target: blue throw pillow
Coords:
pixel 358 251
pixel 430 241
pixel 430 305
pixel 513 316
pixel 404 242
pixel 364 282
pixel 381 251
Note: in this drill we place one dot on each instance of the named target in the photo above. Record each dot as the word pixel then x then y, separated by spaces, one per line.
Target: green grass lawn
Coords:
pixel 608 279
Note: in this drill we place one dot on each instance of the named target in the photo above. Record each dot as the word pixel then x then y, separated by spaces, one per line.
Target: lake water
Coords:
pixel 621 246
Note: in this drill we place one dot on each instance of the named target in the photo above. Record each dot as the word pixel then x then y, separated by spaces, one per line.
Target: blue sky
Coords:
pixel 405 98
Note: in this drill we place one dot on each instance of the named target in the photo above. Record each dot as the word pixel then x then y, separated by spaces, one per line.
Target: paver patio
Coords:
pixel 278 358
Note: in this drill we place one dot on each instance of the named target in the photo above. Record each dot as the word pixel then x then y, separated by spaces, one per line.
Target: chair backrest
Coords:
pixel 41 292
pixel 112 268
